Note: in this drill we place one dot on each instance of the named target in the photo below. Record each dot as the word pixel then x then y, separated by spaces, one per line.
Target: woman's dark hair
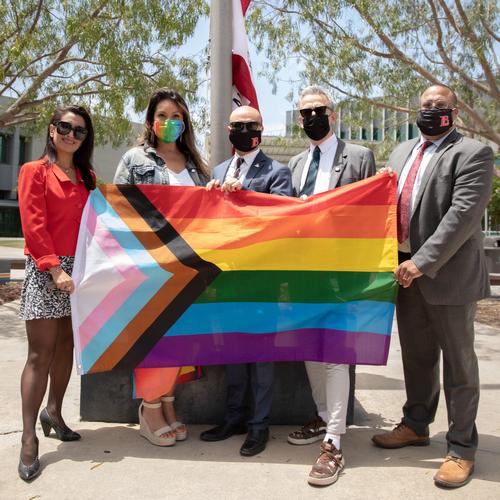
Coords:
pixel 82 156
pixel 186 142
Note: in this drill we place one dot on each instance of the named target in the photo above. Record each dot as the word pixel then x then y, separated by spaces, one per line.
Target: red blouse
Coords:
pixel 51 207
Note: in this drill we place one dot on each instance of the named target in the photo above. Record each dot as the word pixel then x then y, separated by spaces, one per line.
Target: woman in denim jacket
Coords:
pixel 166 154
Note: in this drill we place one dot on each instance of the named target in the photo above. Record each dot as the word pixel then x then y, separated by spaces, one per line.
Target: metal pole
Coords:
pixel 221 80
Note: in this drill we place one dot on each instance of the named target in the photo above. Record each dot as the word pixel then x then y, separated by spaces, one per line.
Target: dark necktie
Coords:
pixel 308 188
pixel 237 170
pixel 404 201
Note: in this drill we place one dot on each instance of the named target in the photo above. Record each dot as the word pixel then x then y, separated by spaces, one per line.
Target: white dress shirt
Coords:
pixel 328 149
pixel 428 153
pixel 248 159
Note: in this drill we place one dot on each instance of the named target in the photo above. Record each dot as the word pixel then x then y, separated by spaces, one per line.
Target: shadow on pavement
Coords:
pixel 113 444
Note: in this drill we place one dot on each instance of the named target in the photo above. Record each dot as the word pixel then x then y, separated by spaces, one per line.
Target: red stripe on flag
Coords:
pixel 242 79
pixel 244 6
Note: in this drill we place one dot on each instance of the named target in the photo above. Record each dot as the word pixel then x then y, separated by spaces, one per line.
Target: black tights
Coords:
pixel 50 352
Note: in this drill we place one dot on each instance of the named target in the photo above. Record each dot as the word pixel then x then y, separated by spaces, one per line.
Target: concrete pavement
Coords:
pixel 113 461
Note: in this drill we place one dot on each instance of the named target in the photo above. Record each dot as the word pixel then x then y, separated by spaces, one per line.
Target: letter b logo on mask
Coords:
pixel 445 121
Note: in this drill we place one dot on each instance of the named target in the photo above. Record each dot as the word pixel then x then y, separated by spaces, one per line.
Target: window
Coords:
pixel 3 148
pixel 23 144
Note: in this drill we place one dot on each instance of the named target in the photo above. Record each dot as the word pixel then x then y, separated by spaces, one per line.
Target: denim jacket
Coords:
pixel 142 165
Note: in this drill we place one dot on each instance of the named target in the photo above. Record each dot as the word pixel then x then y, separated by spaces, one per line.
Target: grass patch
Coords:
pixel 12 243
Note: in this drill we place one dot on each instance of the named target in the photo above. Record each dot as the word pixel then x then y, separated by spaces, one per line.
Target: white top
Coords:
pixel 328 149
pixel 405 246
pixel 248 159
pixel 181 179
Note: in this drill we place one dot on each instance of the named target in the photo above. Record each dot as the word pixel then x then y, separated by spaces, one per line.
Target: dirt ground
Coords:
pixel 488 310
pixel 10 291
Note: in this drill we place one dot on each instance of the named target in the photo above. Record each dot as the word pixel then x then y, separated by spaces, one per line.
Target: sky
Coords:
pixel 273 107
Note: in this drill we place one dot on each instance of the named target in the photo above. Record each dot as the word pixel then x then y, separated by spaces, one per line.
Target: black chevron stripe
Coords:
pixel 206 274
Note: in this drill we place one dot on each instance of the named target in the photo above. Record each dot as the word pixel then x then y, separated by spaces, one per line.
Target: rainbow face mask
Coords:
pixel 169 130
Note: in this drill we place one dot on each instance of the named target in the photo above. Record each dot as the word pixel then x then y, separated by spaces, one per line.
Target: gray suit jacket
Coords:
pixel 351 163
pixel 264 176
pixel 445 227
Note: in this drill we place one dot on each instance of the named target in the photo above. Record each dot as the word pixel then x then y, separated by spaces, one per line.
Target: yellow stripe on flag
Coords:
pixel 308 254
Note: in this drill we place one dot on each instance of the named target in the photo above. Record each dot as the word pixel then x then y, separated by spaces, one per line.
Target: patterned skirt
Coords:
pixel 40 299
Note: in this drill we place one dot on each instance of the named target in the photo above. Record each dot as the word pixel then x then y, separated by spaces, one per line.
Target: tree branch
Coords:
pixel 448 62
pixel 476 45
pixel 422 71
pixel 9 84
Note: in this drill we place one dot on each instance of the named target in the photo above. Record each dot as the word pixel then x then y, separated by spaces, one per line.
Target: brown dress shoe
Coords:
pixel 454 472
pixel 400 436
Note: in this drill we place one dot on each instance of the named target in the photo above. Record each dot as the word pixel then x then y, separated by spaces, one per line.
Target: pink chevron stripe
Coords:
pixel 118 295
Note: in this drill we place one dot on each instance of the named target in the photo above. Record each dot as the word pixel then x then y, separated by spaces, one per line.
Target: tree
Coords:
pixel 105 54
pixel 384 54
pixel 494 205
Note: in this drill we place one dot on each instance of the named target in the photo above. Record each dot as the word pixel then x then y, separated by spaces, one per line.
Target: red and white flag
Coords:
pixel 243 88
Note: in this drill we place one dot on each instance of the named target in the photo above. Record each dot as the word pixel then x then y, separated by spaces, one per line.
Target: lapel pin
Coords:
pixel 337 169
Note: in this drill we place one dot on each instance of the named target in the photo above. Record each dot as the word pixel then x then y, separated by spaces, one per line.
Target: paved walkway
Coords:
pixel 113 461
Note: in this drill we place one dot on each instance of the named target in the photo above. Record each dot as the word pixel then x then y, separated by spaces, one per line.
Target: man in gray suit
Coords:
pixel 328 163
pixel 444 184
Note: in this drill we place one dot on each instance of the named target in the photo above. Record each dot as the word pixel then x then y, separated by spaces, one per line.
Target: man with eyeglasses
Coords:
pixel 328 163
pixel 444 184
pixel 249 168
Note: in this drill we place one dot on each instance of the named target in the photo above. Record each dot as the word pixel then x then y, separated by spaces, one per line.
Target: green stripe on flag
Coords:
pixel 299 286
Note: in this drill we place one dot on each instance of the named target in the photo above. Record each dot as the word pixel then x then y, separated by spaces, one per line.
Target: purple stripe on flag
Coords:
pixel 331 346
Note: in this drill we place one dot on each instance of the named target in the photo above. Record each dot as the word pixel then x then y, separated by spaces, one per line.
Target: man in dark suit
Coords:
pixel 328 163
pixel 444 184
pixel 251 169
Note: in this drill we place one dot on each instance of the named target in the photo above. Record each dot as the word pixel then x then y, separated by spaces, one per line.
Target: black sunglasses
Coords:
pixel 244 126
pixel 307 112
pixel 64 128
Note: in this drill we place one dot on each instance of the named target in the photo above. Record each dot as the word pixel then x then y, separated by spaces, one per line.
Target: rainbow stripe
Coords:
pixel 173 276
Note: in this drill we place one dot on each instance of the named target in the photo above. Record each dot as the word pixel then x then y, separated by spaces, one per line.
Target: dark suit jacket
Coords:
pixel 351 163
pixel 264 176
pixel 445 227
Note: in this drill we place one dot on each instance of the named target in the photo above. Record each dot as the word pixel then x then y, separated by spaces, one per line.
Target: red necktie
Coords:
pixel 404 202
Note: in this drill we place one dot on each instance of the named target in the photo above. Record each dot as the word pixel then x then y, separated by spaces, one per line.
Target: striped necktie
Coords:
pixel 237 170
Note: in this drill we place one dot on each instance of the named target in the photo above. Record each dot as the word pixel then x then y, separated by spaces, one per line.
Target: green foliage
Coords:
pixel 386 53
pixel 494 205
pixel 105 54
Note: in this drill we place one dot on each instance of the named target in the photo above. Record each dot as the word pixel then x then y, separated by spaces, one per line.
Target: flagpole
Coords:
pixel 221 81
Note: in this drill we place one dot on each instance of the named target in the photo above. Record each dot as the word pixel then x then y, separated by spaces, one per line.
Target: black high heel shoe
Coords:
pixel 28 472
pixel 61 434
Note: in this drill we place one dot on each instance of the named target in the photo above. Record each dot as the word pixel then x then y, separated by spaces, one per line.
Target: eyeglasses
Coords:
pixel 64 128
pixel 319 111
pixel 245 126
pixel 443 107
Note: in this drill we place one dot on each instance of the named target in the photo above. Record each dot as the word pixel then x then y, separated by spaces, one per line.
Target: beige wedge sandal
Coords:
pixel 154 437
pixel 179 435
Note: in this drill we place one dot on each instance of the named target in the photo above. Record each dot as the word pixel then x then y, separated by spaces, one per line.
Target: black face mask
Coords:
pixel 316 127
pixel 245 141
pixel 434 121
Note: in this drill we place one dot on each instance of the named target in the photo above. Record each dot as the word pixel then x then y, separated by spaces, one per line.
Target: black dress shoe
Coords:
pixel 61 434
pixel 28 472
pixel 254 443
pixel 222 432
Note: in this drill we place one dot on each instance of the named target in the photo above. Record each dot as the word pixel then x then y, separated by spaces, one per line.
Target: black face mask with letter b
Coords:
pixel 245 141
pixel 434 121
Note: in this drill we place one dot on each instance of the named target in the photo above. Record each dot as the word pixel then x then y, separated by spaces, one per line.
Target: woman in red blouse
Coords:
pixel 52 194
